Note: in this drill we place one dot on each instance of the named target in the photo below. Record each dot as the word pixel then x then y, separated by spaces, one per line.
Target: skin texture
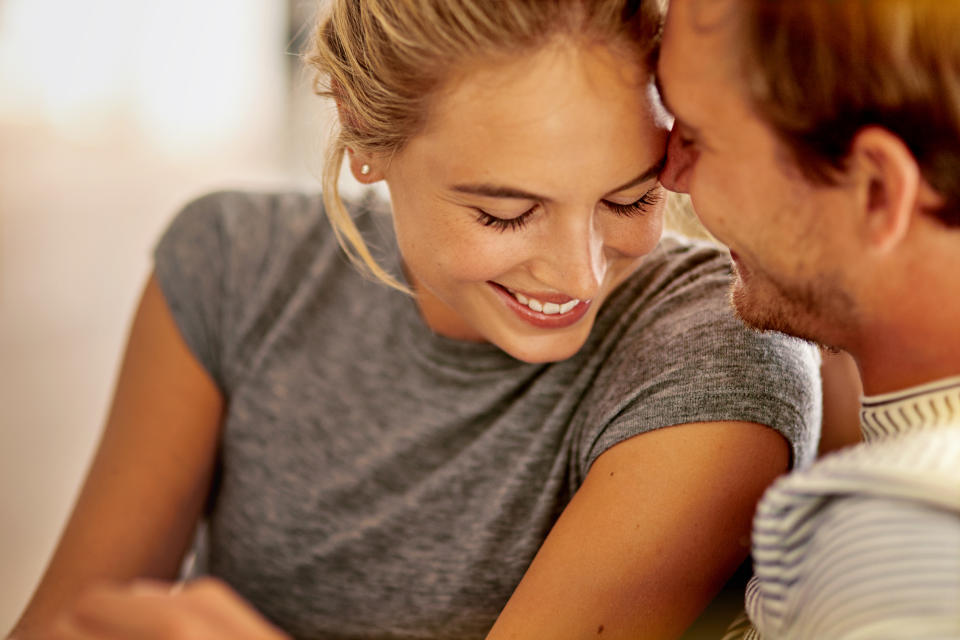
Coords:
pixel 202 609
pixel 666 513
pixel 788 272
pixel 571 124
pixel 818 261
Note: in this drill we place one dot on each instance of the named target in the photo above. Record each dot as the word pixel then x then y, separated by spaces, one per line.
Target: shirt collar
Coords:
pixel 928 405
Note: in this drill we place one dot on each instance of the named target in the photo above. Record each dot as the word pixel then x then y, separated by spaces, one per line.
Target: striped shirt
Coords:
pixel 866 542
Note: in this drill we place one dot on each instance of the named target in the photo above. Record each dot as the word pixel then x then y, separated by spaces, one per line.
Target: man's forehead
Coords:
pixel 702 24
pixel 697 45
pixel 705 16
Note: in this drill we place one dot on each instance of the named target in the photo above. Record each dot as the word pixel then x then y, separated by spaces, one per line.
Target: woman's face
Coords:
pixel 529 196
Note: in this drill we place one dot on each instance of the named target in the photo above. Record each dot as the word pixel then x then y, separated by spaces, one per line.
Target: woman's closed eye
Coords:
pixel 505 224
pixel 638 207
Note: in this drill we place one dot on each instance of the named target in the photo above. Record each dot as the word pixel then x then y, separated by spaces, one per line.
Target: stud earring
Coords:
pixel 364 169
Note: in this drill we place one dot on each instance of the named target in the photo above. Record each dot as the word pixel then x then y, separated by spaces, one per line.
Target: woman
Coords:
pixel 560 431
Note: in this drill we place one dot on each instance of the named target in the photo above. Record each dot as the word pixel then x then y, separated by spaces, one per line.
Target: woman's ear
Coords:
pixel 888 183
pixel 365 167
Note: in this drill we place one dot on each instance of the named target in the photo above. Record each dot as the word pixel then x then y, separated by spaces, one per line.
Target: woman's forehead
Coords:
pixel 583 102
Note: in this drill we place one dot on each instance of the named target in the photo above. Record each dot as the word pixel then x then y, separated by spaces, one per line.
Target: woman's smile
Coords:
pixel 545 310
pixel 506 235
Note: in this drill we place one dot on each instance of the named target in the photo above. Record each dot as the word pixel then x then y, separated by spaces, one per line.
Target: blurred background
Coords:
pixel 113 113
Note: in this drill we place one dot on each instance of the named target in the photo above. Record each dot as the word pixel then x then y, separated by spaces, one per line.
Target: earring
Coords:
pixel 364 169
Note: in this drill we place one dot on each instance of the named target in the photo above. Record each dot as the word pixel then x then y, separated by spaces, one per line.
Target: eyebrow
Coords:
pixel 512 193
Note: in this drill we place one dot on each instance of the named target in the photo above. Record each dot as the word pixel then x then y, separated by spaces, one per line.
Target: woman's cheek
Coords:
pixel 638 236
pixel 460 255
pixel 485 256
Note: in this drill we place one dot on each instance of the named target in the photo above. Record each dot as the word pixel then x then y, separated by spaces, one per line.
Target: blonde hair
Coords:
pixel 383 61
pixel 820 70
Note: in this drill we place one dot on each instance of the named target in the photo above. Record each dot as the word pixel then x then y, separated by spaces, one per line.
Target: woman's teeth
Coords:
pixel 546 308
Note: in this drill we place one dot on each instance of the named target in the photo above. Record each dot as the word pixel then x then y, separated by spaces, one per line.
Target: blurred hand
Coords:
pixel 205 608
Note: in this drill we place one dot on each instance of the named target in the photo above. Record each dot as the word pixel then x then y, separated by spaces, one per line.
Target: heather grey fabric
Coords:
pixel 380 481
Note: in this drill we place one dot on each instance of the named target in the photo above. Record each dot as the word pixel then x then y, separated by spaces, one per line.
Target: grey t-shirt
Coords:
pixel 380 481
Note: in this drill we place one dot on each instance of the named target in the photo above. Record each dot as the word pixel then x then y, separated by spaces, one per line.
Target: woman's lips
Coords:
pixel 553 311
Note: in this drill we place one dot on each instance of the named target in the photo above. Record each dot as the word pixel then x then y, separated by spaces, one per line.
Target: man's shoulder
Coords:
pixel 922 466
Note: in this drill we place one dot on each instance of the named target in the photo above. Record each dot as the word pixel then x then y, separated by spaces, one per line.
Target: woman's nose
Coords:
pixel 575 262
pixel 675 174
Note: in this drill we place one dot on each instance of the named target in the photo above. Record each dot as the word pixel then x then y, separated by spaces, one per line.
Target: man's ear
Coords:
pixel 888 182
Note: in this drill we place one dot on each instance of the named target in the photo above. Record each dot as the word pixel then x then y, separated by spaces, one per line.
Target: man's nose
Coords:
pixel 675 174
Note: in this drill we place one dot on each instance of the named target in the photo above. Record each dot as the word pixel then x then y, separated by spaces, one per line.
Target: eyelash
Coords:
pixel 639 207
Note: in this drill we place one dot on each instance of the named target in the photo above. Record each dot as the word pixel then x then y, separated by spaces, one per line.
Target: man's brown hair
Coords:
pixel 820 70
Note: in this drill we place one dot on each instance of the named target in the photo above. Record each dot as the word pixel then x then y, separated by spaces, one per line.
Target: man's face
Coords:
pixel 786 236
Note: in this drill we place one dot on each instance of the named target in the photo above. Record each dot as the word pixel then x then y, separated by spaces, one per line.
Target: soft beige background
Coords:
pixel 112 114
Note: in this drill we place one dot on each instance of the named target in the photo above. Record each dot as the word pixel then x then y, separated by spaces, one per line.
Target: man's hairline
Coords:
pixel 737 81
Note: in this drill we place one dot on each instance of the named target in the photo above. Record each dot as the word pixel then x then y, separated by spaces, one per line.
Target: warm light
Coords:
pixel 186 75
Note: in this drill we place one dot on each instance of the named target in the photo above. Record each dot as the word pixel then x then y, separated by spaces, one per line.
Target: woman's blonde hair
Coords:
pixel 383 61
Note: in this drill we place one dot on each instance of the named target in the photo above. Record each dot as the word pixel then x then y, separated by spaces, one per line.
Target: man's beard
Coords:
pixel 818 311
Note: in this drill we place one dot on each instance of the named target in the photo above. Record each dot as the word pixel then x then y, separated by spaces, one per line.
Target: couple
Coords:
pixel 555 428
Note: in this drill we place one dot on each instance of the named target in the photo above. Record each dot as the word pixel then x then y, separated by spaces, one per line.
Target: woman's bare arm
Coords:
pixel 660 523
pixel 148 482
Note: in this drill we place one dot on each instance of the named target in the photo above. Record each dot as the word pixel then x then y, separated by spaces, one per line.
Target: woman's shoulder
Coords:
pixel 245 213
pixel 231 264
pixel 238 227
pixel 672 350
pixel 680 274
pixel 678 302
pixel 680 260
pixel 681 281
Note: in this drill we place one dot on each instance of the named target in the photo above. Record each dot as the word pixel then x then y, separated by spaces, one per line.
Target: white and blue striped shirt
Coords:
pixel 866 542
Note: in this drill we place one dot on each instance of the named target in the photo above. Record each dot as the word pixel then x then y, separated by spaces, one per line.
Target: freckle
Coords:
pixel 611 474
pixel 599 629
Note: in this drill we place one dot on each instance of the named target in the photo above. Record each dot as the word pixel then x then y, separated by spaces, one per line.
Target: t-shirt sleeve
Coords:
pixel 682 356
pixel 226 264
pixel 190 266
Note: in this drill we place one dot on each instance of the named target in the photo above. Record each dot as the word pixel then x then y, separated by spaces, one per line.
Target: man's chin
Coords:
pixel 770 316
pixel 747 309
pixel 761 315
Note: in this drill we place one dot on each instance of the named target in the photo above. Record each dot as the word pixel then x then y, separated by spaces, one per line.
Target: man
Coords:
pixel 820 141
